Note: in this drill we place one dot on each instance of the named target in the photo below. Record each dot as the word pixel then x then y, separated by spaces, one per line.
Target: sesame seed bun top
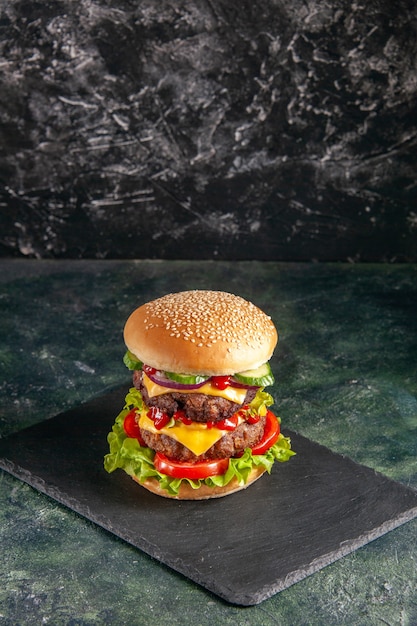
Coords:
pixel 212 333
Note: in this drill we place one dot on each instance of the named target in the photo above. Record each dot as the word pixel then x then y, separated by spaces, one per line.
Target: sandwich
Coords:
pixel 197 423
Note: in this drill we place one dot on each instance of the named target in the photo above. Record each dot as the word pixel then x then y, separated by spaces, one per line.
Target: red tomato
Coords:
pixel 194 471
pixel 270 436
pixel 131 427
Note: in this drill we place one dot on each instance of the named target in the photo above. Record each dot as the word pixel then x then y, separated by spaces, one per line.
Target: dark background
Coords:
pixel 209 129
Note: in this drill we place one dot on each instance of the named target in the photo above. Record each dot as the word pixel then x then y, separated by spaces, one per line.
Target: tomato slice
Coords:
pixel 194 471
pixel 270 436
pixel 131 427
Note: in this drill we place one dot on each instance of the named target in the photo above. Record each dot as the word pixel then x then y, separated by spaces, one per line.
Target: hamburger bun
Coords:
pixel 204 492
pixel 209 333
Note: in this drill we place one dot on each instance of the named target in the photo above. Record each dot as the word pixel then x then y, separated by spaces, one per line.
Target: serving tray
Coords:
pixel 309 512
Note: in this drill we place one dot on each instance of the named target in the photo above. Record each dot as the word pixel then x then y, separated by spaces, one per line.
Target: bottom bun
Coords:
pixel 204 492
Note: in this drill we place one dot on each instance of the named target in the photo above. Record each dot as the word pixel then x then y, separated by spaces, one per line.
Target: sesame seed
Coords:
pixel 211 316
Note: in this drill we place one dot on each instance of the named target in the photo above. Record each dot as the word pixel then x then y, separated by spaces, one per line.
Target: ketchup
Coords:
pixel 253 419
pixel 181 417
pixel 220 382
pixel 159 418
pixel 228 423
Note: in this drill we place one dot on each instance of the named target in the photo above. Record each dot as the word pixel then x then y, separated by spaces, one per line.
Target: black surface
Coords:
pixel 246 547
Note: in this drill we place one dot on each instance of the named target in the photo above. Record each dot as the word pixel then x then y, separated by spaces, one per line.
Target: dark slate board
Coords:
pixel 246 547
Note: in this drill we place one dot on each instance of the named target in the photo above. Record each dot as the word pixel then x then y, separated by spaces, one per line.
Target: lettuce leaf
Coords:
pixel 137 461
pixel 260 403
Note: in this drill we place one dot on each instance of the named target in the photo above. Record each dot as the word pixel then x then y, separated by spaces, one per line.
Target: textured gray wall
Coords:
pixel 209 129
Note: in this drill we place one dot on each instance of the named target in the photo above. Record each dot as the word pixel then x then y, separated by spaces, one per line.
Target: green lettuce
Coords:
pixel 137 461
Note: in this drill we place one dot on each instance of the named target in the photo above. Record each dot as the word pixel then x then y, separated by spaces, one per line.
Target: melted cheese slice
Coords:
pixel 234 394
pixel 196 437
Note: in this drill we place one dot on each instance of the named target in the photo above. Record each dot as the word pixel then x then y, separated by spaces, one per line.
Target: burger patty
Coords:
pixel 197 406
pixel 244 436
